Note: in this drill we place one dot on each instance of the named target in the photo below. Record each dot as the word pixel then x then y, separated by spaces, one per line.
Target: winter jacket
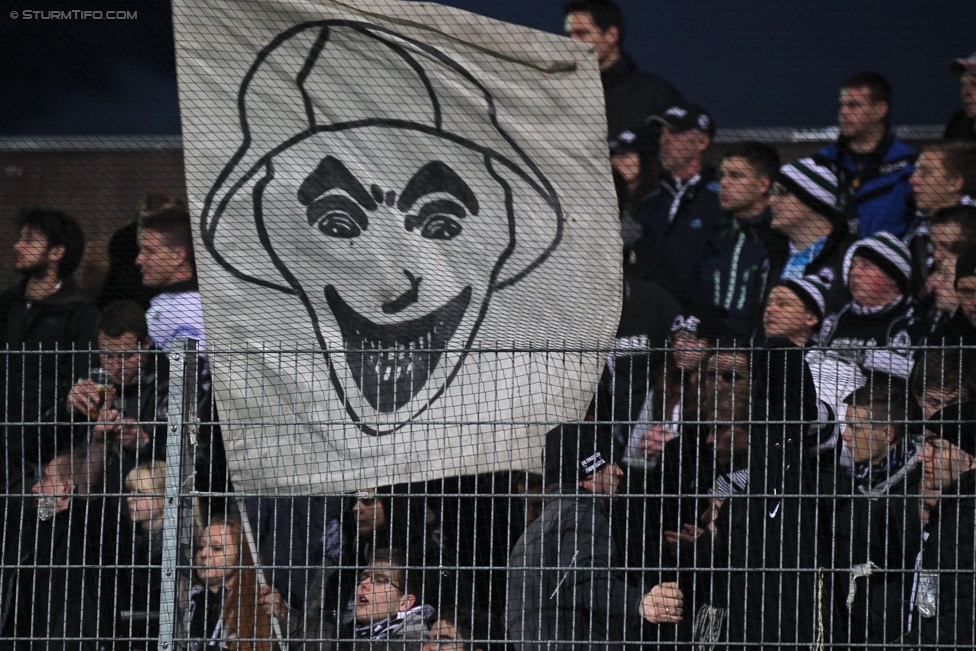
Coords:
pixel 737 265
pixel 951 550
pixel 36 384
pixel 565 591
pixel 632 96
pixel 873 188
pixel 680 238
pixel 876 532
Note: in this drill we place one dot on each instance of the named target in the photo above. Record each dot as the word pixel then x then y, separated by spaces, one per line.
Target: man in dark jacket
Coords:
pixel 874 526
pixel 685 212
pixel 43 313
pixel 744 259
pixel 872 165
pixel 942 602
pixel 631 94
pixel 564 591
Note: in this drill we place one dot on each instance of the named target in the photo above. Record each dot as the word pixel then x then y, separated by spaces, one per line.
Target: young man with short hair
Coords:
pixel 390 603
pixel 631 95
pixel 43 313
pixel 871 164
pixel 741 258
pixel 962 124
pixel 168 267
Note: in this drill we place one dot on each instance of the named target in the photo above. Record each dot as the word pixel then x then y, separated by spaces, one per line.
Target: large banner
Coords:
pixel 401 205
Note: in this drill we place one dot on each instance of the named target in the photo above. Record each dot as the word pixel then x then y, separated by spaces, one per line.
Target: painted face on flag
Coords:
pixel 394 257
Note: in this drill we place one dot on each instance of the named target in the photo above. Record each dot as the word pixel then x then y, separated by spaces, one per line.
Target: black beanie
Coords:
pixel 574 451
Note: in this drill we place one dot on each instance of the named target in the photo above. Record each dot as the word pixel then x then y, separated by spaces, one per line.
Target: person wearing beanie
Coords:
pixel 941 607
pixel 802 203
pixel 872 165
pixel 881 320
pixel 564 583
pixel 795 309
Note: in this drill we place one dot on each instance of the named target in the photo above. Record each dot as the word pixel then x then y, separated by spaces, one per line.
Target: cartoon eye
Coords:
pixel 338 216
pixel 437 220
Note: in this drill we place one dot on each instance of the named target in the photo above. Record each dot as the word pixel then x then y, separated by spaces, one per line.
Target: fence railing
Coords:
pixel 723 498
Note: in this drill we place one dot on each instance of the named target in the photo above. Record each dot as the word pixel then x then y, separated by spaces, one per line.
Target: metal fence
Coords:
pixel 766 497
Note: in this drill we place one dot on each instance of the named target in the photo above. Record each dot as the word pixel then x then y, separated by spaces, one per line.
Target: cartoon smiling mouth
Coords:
pixel 391 363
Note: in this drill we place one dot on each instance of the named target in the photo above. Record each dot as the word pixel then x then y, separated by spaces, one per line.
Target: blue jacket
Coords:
pixel 873 188
pixel 681 240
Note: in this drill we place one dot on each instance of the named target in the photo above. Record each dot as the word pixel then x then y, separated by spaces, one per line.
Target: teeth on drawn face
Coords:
pixel 391 363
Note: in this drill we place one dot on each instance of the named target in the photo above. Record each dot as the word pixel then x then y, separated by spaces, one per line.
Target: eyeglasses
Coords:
pixel 378 579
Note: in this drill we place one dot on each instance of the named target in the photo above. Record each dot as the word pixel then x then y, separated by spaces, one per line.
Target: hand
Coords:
pixel 131 435
pixel 654 439
pixel 108 425
pixel 84 398
pixel 689 533
pixel 662 605
pixel 272 603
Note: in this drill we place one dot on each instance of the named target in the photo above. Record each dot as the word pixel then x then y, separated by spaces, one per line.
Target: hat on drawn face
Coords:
pixel 338 76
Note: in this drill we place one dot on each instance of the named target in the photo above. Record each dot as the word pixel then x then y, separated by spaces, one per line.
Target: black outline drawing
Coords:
pixel 244 168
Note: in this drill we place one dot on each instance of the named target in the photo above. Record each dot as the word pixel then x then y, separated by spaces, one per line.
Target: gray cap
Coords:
pixel 962 66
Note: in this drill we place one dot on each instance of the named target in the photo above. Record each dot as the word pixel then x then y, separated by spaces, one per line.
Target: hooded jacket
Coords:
pixel 565 591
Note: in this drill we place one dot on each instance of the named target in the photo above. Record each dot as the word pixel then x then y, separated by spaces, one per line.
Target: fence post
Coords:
pixel 180 436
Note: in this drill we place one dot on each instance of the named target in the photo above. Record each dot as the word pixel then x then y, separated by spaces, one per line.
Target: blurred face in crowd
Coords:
pixel 860 116
pixel 159 261
pixel 627 164
pixel 942 463
pixel 218 556
pixel 123 357
pixel 787 316
pixel 967 91
pixel 32 255
pixel 681 151
pixel 790 215
pixel 933 186
pixel 938 398
pixel 444 636
pixel 943 237
pixel 744 192
pixel 870 285
pixel 729 370
pixel 867 441
pixel 145 503
pixel 966 294
pixel 604 481
pixel 369 512
pixel 579 26
pixel 939 285
pixel 381 594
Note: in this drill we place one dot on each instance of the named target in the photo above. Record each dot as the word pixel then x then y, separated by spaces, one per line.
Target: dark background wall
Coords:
pixel 752 62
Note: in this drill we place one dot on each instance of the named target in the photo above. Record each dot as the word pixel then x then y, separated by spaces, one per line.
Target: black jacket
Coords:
pixel 632 96
pixel 679 241
pixel 36 384
pixel 564 587
pixel 951 550
pixel 960 127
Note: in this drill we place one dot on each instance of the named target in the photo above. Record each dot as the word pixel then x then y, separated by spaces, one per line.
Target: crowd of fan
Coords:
pixel 799 466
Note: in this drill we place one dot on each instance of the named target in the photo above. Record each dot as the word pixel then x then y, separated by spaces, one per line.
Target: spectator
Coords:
pixel 460 629
pixel 803 199
pixel 874 526
pixel 871 164
pixel 795 310
pixel 631 95
pixel 43 313
pixel 943 598
pixel 876 327
pixel 952 229
pixel 564 586
pixel 635 172
pixel 390 608
pixel 742 257
pixel 146 485
pixel 169 269
pixel 941 378
pixel 224 611
pixel 123 279
pixel 685 212
pixel 132 420
pixel 965 317
pixel 962 124
pixel 60 579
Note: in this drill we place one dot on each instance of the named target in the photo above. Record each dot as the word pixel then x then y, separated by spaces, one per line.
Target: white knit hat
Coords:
pixel 813 183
